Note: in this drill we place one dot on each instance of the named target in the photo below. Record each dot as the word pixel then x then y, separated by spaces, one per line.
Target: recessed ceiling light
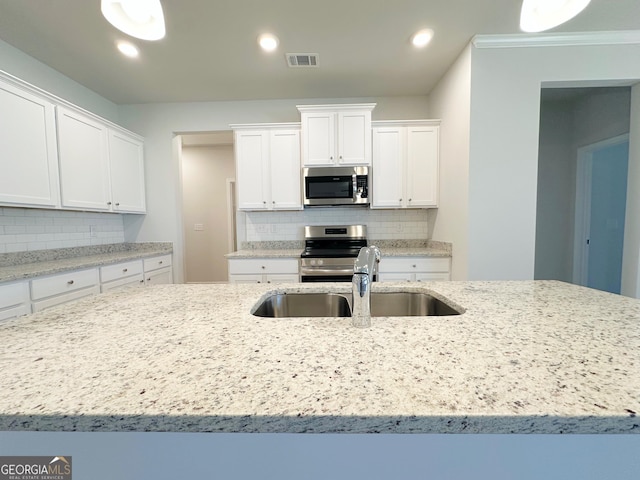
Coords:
pixel 422 38
pixel 268 42
pixel 139 18
pixel 128 49
pixel 540 15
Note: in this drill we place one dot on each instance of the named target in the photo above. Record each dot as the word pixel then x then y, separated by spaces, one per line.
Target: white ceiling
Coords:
pixel 210 51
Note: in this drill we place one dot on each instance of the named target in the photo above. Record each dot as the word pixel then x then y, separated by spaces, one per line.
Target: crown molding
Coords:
pixel 568 39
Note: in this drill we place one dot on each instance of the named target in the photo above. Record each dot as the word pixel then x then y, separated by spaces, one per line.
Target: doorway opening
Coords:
pixel 583 160
pixel 207 164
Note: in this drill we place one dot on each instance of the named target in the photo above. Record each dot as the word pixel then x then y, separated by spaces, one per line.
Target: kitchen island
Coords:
pixel 524 357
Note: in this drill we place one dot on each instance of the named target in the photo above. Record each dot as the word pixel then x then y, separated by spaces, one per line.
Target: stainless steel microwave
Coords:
pixel 336 186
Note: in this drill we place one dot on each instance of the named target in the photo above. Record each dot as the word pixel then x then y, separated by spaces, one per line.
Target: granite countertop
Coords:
pixel 390 248
pixel 524 357
pixel 25 265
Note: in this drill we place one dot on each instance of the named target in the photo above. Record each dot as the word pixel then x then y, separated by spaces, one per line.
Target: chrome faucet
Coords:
pixel 364 269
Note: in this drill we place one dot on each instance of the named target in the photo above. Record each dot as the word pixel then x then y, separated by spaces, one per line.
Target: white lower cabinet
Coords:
pixel 263 270
pixel 121 275
pixel 414 269
pixel 14 300
pixel 62 288
pixel 158 270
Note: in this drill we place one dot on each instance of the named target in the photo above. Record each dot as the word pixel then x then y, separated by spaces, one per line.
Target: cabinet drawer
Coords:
pixel 65 297
pixel 263 265
pixel 133 280
pixel 415 264
pixel 155 263
pixel 120 270
pixel 159 277
pixel 64 283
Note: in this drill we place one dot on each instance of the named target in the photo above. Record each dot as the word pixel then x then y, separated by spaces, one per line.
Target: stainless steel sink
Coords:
pixel 383 304
pixel 408 304
pixel 304 305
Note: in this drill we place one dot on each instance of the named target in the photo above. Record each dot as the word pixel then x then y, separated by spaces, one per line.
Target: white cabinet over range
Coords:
pixel 405 164
pixel 268 166
pixel 336 134
pixel 56 155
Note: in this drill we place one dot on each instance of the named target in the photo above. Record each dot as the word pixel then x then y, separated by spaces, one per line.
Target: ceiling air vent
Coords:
pixel 302 59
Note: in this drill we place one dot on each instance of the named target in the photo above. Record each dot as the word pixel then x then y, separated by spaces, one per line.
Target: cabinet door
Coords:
pixel 126 160
pixel 252 150
pixel 422 166
pixel 285 173
pixel 388 167
pixel 318 138
pixel 28 149
pixel 159 277
pixel 84 162
pixel 354 138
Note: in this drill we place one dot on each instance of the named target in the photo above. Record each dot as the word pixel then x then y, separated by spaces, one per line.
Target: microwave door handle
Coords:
pixel 354 179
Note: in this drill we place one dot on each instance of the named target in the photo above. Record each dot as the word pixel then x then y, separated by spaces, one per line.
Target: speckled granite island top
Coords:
pixel 525 357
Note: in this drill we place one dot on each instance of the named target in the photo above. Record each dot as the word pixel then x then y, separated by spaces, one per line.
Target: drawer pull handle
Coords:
pixel 70 282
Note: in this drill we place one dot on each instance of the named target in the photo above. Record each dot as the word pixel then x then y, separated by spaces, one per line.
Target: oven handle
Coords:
pixel 325 271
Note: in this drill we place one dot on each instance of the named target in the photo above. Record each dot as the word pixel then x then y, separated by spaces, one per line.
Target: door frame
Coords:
pixel 582 222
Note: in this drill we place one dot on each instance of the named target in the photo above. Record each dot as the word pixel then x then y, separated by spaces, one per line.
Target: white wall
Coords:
pixel 159 123
pixel 450 102
pixel 27 68
pixel 505 103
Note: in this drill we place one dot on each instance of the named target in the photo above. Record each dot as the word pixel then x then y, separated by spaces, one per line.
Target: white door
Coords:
pixel 252 150
pixel 388 167
pixel 284 161
pixel 84 162
pixel 422 166
pixel 28 150
pixel 126 155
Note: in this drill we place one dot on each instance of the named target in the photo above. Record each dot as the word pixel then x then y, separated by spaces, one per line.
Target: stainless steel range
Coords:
pixel 330 252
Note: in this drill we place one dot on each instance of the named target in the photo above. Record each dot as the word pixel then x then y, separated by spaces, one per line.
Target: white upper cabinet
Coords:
pixel 336 134
pixel 84 161
pixel 28 149
pixel 405 164
pixel 268 171
pixel 126 159
pixel 53 154
pixel 100 168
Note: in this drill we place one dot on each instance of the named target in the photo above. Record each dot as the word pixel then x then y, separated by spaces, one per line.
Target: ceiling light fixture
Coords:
pixel 422 38
pixel 139 18
pixel 268 42
pixel 540 15
pixel 128 49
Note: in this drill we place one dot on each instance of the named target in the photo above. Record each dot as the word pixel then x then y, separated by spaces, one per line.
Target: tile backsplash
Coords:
pixel 381 224
pixel 27 229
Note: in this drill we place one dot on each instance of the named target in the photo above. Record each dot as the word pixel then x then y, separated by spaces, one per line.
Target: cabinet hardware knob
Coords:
pixel 331 157
pixel 142 281
pixel 108 203
pixel 413 266
pixel 70 282
pixel 264 202
pixel 400 200
pixel 160 262
pixel 340 157
pixel 125 270
pixel 263 267
pixel 268 281
pixel 117 204
pixel 409 199
pixel 149 279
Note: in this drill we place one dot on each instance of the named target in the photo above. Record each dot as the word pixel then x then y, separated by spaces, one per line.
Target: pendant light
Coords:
pixel 139 18
pixel 540 15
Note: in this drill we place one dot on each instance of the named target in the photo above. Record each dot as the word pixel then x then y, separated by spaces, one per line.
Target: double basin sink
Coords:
pixel 383 304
